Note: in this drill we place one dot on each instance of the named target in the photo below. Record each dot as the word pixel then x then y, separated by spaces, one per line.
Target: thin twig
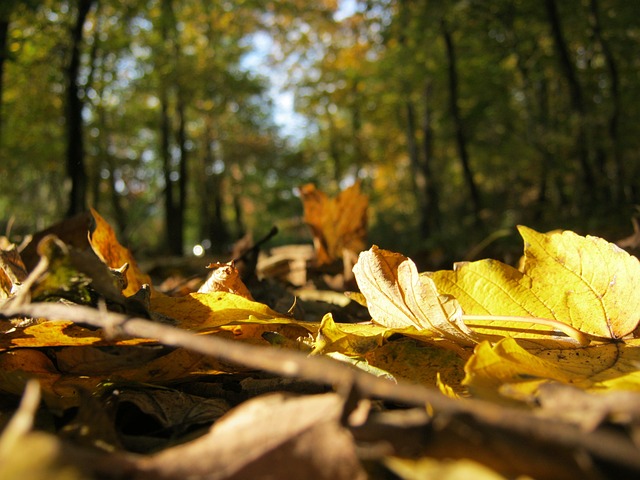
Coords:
pixel 606 444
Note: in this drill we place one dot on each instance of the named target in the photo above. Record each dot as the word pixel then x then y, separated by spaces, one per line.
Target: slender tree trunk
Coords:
pixel 419 182
pixel 431 187
pixel 173 240
pixel 420 170
pixel 218 230
pixel 461 139
pixel 4 36
pixel 575 95
pixel 360 155
pixel 216 227
pixel 614 119
pixel 173 223
pixel 241 228
pixel 119 211
pixel 75 146
pixel 181 208
pixel 334 149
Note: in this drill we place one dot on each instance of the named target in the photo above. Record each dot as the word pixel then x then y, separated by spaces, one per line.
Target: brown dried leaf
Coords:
pixel 275 436
pixel 338 223
pixel 225 277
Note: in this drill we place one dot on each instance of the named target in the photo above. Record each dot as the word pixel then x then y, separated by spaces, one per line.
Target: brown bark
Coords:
pixel 75 146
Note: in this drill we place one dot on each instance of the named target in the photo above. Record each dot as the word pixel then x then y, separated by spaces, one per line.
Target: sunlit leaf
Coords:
pixel 206 311
pixel 584 282
pixel 348 339
pixel 225 278
pixel 510 369
pixel 106 246
pixel 397 297
pixel 431 468
pixel 588 282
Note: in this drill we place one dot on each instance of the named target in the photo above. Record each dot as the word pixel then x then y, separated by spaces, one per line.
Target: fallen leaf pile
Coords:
pixel 484 371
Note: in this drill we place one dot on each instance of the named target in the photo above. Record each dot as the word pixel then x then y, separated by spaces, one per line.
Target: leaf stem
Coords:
pixel 574 333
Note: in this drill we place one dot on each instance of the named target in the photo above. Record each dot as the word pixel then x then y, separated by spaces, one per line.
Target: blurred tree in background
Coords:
pixel 462 118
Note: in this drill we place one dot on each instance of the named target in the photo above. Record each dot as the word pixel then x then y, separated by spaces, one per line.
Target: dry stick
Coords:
pixel 606 444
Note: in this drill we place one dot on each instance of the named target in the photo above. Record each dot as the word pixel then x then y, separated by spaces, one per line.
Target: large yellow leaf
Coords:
pixel 584 282
pixel 397 297
pixel 588 282
pixel 508 368
pixel 419 362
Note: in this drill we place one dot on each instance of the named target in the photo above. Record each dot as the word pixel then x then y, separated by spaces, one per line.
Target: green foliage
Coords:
pixel 373 84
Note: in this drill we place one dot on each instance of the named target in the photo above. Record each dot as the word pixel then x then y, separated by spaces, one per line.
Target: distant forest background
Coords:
pixel 460 118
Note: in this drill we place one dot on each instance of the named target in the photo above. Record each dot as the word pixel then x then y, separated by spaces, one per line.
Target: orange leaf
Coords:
pixel 337 224
pixel 106 246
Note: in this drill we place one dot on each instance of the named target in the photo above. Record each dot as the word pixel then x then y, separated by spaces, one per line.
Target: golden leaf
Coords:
pixel 106 246
pixel 418 362
pixel 585 283
pixel 349 339
pixel 206 311
pixel 589 283
pixel 509 369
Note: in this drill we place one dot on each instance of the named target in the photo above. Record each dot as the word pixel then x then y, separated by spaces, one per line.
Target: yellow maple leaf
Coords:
pixel 584 283
pixel 508 369
pixel 589 283
pixel 420 363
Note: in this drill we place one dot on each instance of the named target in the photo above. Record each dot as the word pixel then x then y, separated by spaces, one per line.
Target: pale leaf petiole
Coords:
pixel 574 333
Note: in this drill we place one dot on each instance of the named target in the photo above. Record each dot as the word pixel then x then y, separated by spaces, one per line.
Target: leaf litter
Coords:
pixel 486 370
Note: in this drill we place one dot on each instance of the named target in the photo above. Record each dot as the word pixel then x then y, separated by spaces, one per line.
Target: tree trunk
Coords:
pixel 334 149
pixel 419 182
pixel 172 232
pixel 173 222
pixel 181 207
pixel 461 140
pixel 218 230
pixel 575 95
pixel 614 119
pixel 214 227
pixel 75 146
pixel 4 36
pixel 430 187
